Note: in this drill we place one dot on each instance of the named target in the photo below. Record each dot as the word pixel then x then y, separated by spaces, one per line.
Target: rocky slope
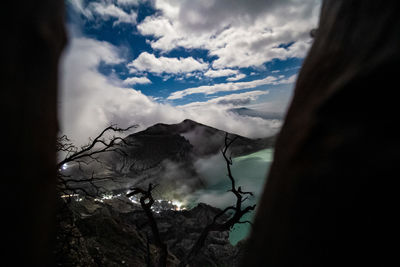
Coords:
pixel 115 232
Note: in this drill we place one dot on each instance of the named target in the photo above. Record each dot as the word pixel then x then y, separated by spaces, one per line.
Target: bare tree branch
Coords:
pixel 88 151
pixel 146 201
pixel 233 219
pixel 69 188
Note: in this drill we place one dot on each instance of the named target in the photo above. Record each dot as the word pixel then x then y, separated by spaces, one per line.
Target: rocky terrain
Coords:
pixel 115 232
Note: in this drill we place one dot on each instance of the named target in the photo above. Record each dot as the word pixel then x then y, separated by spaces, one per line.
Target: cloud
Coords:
pixel 90 101
pixel 220 73
pixel 78 6
pixel 149 62
pixel 289 80
pixel 230 86
pixel 212 197
pixel 237 77
pixel 230 100
pixel 128 2
pixel 239 99
pixel 136 80
pixel 107 11
pixel 240 33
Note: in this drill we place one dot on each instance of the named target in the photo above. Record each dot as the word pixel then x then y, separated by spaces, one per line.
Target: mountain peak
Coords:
pixel 189 121
pixel 205 140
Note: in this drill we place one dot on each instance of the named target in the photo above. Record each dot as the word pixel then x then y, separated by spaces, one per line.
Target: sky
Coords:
pixel 162 61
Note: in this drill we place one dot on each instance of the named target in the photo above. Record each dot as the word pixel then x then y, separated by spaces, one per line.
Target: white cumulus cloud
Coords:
pixel 240 99
pixel 128 2
pixel 231 86
pixel 239 33
pixel 220 73
pixel 90 100
pixel 136 80
pixel 237 77
pixel 107 11
pixel 150 63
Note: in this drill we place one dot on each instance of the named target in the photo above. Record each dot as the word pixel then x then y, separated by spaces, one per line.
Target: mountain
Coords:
pixel 190 137
pixel 164 154
pixel 255 113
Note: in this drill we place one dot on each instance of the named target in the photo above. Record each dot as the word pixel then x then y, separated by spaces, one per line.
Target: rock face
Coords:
pixel 180 230
pixel 329 198
pixel 115 233
pixel 34 37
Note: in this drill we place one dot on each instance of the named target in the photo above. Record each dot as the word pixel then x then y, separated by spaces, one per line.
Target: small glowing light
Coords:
pixel 64 166
pixel 134 200
pixel 178 205
pixel 75 197
pixel 106 197
pixel 71 195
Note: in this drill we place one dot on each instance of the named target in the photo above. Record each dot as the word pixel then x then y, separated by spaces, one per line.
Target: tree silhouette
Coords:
pixel 146 202
pixel 85 155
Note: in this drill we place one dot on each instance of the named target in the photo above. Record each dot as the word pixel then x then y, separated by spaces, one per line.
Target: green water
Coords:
pixel 249 172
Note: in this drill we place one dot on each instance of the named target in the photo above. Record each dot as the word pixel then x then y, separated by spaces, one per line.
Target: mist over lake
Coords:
pixel 250 172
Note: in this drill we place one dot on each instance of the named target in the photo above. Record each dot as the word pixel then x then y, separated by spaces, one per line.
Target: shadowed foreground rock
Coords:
pixel 34 36
pixel 329 199
pixel 116 232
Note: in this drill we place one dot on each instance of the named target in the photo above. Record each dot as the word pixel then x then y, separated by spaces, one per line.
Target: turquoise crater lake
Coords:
pixel 250 173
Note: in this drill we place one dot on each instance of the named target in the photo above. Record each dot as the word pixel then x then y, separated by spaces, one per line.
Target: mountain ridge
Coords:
pixel 205 140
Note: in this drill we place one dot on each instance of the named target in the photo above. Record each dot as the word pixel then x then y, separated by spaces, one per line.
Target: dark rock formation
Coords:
pixel 329 198
pixel 180 230
pixel 88 235
pixel 33 37
pixel 148 148
pixel 116 233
